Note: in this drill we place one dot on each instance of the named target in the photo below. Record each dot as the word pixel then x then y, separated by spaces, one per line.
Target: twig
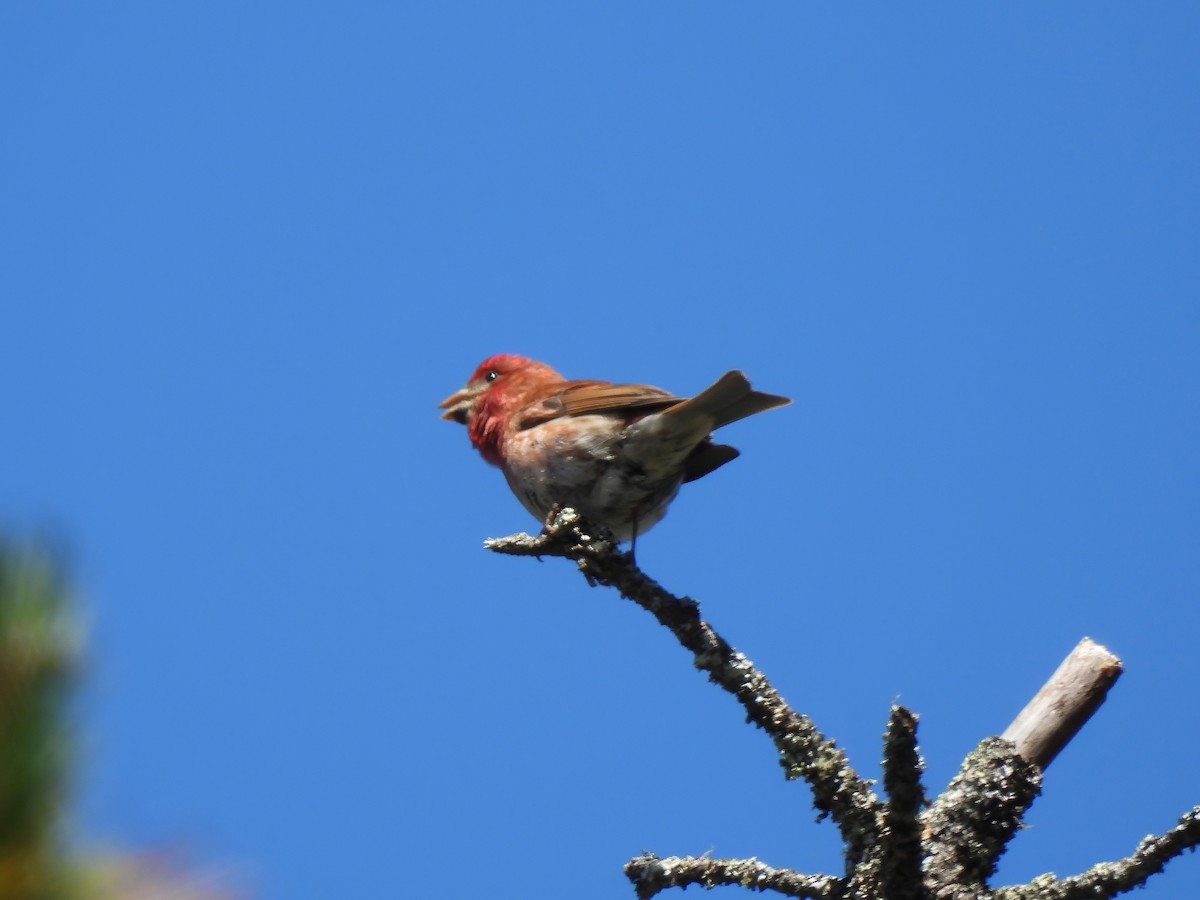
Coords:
pixel 804 752
pixel 1108 879
pixel 650 874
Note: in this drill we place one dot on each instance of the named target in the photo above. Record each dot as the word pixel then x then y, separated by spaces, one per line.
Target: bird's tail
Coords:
pixel 726 400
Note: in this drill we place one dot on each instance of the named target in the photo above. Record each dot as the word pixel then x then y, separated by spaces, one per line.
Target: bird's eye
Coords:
pixel 491 376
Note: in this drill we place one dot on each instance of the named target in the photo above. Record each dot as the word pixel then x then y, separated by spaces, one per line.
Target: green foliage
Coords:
pixel 38 657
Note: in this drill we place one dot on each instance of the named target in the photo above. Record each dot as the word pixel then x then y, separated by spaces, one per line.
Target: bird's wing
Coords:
pixel 579 398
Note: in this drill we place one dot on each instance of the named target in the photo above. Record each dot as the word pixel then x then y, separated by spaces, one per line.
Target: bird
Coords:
pixel 615 453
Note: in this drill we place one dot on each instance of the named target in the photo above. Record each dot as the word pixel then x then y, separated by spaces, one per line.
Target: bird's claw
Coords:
pixel 548 525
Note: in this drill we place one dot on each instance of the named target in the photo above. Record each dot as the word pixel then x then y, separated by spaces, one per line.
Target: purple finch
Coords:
pixel 616 453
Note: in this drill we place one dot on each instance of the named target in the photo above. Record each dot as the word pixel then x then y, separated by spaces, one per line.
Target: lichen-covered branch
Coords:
pixel 1109 879
pixel 804 752
pixel 650 874
pixel 900 841
pixel 971 823
pixel 893 850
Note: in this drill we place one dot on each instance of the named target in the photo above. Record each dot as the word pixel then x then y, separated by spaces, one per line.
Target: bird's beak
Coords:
pixel 458 405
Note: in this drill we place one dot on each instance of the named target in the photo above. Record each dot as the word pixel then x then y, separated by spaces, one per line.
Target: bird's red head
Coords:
pixel 501 385
pixel 500 364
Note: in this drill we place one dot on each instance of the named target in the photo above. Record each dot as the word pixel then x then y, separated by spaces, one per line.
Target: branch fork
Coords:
pixel 899 847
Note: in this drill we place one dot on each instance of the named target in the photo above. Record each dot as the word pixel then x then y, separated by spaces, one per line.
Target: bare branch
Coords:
pixel 1065 703
pixel 804 752
pixel 650 874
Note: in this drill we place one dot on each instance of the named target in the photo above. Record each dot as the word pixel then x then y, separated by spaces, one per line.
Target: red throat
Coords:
pixel 486 426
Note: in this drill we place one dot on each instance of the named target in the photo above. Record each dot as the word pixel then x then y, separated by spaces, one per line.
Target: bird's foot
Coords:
pixel 548 524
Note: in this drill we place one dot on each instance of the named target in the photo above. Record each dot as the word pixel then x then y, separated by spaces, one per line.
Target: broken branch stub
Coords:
pixel 1065 703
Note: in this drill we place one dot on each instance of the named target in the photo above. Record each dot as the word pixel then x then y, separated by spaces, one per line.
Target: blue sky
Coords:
pixel 248 247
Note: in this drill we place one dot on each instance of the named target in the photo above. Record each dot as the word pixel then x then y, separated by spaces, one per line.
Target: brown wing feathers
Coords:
pixel 579 398
pixel 728 399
